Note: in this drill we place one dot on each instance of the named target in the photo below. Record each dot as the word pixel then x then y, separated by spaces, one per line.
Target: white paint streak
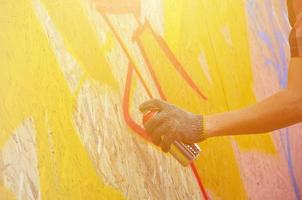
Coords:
pixel 70 68
pixel 225 30
pixel 204 66
pixel 123 159
pixel 21 165
pixel 153 11
pixel 21 178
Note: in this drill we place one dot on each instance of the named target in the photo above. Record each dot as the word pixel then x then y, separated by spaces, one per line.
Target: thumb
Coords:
pixel 151 104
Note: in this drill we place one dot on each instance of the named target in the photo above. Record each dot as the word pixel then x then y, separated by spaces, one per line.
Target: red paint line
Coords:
pixel 144 83
pixel 131 123
pixel 123 46
pixel 198 179
pixel 179 67
pixel 195 172
pixel 160 91
pixel 172 58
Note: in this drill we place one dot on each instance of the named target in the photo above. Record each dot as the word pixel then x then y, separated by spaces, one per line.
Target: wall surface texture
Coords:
pixel 73 72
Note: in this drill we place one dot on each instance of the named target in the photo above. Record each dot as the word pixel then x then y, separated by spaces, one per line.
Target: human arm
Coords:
pixel 280 110
pixel 277 111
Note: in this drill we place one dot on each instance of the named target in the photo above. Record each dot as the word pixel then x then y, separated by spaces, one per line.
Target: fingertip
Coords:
pixel 142 108
pixel 150 104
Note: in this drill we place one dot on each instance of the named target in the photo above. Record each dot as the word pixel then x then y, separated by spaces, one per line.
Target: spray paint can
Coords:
pixel 183 153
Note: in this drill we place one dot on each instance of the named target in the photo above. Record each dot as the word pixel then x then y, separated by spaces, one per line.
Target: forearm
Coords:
pixel 278 111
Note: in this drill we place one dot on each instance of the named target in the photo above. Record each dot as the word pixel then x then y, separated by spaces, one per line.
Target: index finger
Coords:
pixel 151 104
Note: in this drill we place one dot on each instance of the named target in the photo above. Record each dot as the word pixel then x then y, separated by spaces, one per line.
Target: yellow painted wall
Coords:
pixel 72 74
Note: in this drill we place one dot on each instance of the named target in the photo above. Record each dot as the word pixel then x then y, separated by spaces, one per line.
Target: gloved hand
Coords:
pixel 172 123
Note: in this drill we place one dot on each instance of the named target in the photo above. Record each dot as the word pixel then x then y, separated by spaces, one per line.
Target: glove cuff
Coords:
pixel 198 126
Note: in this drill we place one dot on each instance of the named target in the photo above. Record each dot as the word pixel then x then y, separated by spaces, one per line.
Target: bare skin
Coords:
pixel 278 111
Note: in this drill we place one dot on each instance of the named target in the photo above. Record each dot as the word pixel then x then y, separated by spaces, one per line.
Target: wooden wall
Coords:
pixel 73 72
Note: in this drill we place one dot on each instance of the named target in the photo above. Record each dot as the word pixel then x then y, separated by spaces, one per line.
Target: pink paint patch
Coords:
pixel 264 176
pixel 296 149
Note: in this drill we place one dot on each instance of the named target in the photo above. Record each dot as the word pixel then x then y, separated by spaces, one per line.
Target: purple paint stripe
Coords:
pixel 287 152
pixel 278 54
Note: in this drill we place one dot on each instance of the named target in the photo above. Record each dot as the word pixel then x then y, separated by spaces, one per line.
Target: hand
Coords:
pixel 172 123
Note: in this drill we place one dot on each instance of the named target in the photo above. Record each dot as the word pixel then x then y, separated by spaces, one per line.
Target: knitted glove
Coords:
pixel 171 123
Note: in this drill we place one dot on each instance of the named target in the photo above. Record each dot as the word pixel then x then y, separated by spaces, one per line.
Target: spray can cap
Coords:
pixel 148 115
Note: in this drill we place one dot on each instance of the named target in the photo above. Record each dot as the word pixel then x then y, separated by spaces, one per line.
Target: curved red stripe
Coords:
pixel 131 123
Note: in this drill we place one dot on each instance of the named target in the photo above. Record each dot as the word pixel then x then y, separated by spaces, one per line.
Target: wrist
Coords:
pixel 208 128
pixel 197 128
